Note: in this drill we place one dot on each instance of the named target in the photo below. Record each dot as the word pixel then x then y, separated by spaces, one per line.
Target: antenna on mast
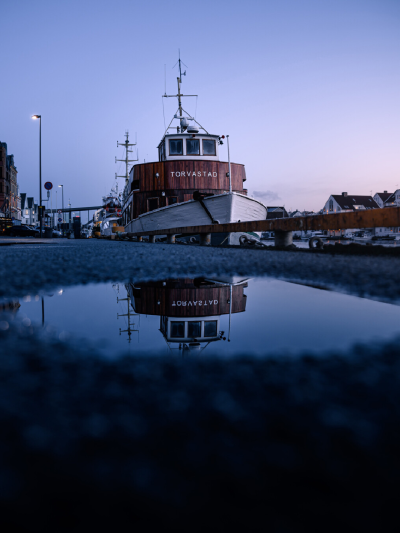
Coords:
pixel 179 114
pixel 180 62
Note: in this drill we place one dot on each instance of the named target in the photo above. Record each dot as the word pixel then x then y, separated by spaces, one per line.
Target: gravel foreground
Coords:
pixel 30 268
pixel 282 445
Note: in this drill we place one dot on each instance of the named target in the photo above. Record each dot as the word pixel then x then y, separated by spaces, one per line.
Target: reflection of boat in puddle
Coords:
pixel 190 309
pixel 11 306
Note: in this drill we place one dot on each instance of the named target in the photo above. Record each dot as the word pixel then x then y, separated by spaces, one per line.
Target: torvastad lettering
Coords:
pixel 192 303
pixel 191 174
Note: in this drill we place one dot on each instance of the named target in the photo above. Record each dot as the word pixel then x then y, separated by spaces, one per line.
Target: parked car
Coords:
pixel 21 231
pixel 56 233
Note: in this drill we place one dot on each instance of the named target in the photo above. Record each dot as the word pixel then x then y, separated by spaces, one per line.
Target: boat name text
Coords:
pixel 195 303
pixel 194 174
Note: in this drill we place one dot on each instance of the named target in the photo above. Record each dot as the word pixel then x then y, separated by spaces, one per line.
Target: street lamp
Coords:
pixel 40 170
pixel 62 189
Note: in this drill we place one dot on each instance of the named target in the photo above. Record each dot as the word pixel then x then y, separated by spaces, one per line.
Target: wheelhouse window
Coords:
pixel 192 146
pixel 177 330
pixel 161 152
pixel 194 329
pixel 152 204
pixel 172 200
pixel 208 147
pixel 210 328
pixel 175 147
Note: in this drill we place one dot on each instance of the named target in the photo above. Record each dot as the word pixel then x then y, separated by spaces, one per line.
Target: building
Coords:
pixel 338 203
pixel 276 212
pixel 387 199
pixel 29 210
pixel 10 202
pixel 393 200
pixel 381 197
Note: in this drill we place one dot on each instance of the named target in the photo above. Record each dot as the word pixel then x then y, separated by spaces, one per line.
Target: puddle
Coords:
pixel 224 317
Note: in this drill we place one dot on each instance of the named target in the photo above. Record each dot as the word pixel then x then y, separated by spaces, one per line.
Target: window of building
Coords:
pixel 208 147
pixel 177 330
pixel 210 328
pixel 172 200
pixel 152 203
pixel 194 329
pixel 192 147
pixel 330 205
pixel 175 147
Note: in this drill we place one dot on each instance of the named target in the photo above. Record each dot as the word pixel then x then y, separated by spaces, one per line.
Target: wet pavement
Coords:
pixel 298 435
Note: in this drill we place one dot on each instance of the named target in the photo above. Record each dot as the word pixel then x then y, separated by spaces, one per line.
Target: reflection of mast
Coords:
pixel 230 312
pixel 129 314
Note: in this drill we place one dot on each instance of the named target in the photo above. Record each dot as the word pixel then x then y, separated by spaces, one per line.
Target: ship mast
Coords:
pixel 180 113
pixel 179 84
pixel 126 145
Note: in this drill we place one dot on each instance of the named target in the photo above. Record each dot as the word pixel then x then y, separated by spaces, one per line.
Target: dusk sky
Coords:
pixel 307 90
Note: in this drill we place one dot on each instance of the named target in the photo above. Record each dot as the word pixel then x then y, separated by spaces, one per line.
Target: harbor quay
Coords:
pixel 280 443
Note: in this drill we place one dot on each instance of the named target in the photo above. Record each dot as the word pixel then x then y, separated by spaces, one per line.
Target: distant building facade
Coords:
pixel 393 200
pixel 381 197
pixel 276 212
pixel 387 199
pixel 338 203
pixel 10 202
pixel 29 210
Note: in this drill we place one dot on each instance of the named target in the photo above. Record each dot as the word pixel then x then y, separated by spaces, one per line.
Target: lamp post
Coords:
pixel 62 189
pixel 40 171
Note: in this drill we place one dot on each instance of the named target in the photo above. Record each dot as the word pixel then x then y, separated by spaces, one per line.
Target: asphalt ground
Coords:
pixel 29 268
pixel 280 445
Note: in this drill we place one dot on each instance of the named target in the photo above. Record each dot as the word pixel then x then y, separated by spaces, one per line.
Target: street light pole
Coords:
pixel 62 190
pixel 40 171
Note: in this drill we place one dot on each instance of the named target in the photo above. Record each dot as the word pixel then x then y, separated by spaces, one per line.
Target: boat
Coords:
pixel 110 214
pixel 189 184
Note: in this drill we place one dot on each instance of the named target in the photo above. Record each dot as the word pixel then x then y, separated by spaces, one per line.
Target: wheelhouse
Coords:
pixel 188 146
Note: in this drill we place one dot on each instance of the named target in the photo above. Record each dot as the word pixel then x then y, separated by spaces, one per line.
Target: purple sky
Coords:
pixel 307 90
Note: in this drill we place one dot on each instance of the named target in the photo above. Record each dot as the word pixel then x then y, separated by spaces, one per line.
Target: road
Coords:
pixel 34 267
pixel 197 444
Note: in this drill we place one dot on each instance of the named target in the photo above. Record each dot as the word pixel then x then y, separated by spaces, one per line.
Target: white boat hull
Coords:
pixel 224 208
pixel 106 226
